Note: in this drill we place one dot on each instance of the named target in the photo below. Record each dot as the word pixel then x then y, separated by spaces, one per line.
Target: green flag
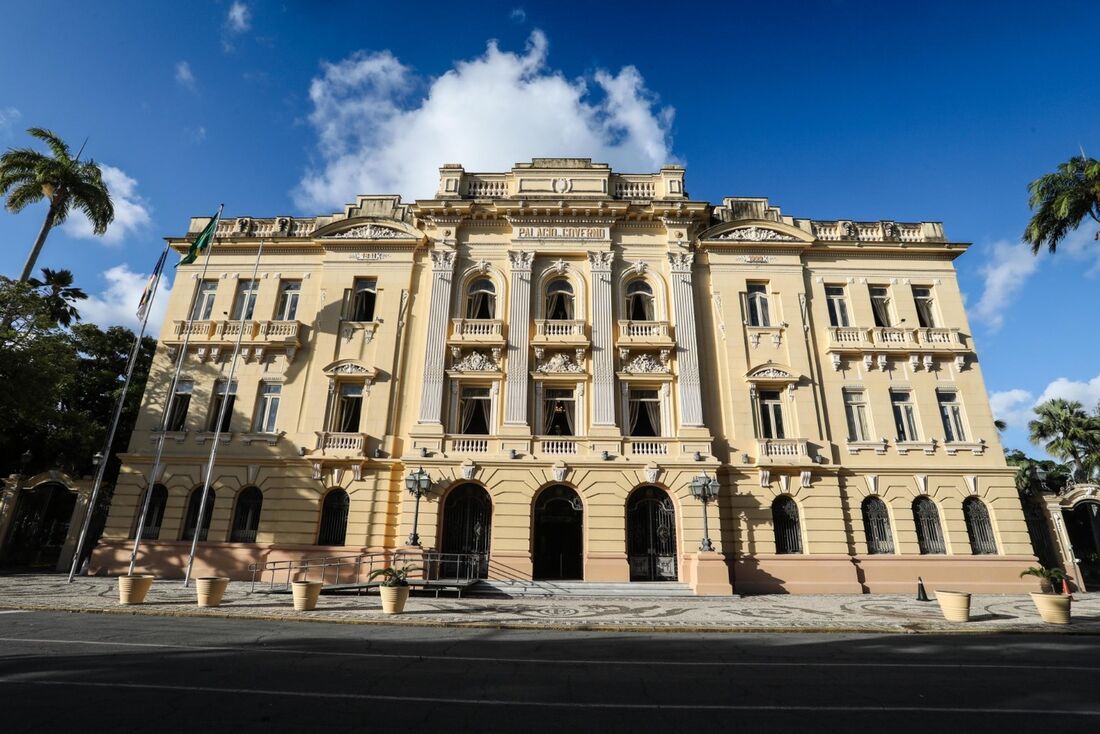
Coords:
pixel 201 243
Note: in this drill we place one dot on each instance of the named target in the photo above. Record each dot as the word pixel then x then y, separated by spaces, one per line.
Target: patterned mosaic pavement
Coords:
pixel 826 613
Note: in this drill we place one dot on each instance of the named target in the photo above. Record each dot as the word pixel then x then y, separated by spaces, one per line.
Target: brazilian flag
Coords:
pixel 205 238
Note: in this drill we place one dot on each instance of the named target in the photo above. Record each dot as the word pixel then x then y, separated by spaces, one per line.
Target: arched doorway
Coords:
pixel 651 535
pixel 1083 526
pixel 558 540
pixel 467 519
pixel 39 526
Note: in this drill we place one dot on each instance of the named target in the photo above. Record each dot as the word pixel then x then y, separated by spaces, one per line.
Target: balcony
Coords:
pixel 782 452
pixel 477 331
pixel 216 337
pixel 647 446
pixel 894 339
pixel 557 446
pixel 564 333
pixel 645 334
pixel 468 445
pixel 341 444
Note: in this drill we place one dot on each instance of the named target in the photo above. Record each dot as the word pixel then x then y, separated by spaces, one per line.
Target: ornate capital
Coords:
pixel 443 260
pixel 601 261
pixel 521 260
pixel 681 261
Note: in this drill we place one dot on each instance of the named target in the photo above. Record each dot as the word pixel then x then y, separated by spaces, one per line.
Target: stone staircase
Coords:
pixel 565 589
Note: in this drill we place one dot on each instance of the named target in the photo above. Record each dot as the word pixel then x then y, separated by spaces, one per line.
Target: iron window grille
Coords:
pixel 154 516
pixel 788 529
pixel 246 517
pixel 193 514
pixel 978 527
pixel 929 532
pixel 334 518
pixel 876 524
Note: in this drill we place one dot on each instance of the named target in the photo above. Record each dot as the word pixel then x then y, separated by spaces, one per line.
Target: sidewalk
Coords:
pixel 775 613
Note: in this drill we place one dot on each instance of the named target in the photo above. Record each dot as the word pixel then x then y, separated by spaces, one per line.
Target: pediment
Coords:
pixel 771 372
pixel 756 231
pixel 349 368
pixel 363 228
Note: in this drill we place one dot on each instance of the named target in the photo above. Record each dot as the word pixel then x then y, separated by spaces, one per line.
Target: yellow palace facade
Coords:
pixel 564 349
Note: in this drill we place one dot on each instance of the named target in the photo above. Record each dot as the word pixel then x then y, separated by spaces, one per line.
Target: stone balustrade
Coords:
pixel 477 330
pixel 341 444
pixel 552 330
pixel 782 451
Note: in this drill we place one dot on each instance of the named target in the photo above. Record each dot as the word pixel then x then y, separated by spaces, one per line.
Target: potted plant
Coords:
pixel 955 605
pixel 395 587
pixel 305 595
pixel 1054 608
pixel 133 588
pixel 210 590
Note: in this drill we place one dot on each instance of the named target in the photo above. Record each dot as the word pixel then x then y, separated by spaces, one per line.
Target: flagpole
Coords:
pixel 168 405
pixel 109 442
pixel 221 420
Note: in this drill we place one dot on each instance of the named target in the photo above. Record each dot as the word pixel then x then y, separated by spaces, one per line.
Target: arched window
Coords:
pixel 876 524
pixel 639 301
pixel 334 518
pixel 481 300
pixel 929 532
pixel 154 516
pixel 978 527
pixel 246 518
pixel 192 517
pixel 559 300
pixel 788 530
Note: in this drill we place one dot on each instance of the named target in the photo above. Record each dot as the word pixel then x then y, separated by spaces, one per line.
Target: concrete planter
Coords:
pixel 955 605
pixel 305 595
pixel 1053 608
pixel 394 598
pixel 132 589
pixel 210 590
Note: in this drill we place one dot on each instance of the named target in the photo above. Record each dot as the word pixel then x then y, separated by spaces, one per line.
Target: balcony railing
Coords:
pixel 939 337
pixel 341 443
pixel 563 331
pixel 848 336
pixel 644 332
pixel 224 330
pixel 477 330
pixel 782 451
pixel 468 445
pixel 893 338
pixel 558 446
pixel 647 446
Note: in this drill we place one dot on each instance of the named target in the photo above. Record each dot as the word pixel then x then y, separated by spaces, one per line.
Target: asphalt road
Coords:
pixel 98 673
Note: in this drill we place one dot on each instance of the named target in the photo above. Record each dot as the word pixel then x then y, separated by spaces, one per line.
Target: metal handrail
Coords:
pixel 434 565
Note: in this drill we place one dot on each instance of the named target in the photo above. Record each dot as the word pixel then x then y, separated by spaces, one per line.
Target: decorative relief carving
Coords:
pixel 652 472
pixel 559 470
pixel 681 261
pixel 639 267
pixel 483 266
pixel 770 372
pixel 282 225
pixel 645 364
pixel 521 260
pixel 601 261
pixel 756 234
pixel 560 266
pixel 475 362
pixel 559 362
pixel 468 469
pixel 370 232
pixel 443 259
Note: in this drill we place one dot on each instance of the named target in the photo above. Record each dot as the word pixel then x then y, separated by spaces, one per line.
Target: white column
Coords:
pixel 519 339
pixel 603 366
pixel 431 397
pixel 687 346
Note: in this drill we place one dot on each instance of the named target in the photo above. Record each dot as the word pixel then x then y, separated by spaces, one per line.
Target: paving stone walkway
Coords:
pixel 887 613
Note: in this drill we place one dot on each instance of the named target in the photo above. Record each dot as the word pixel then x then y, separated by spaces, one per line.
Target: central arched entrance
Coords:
pixel 40 526
pixel 1083 526
pixel 467 518
pixel 558 540
pixel 651 535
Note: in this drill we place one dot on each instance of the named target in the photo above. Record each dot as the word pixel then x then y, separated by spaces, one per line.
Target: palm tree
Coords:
pixel 60 295
pixel 1067 432
pixel 1062 200
pixel 27 177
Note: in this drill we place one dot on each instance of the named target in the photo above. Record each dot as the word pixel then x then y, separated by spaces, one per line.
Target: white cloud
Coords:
pixel 518 16
pixel 1086 393
pixel 1081 244
pixel 131 211
pixel 239 18
pixel 1012 406
pixel 487 113
pixel 1005 272
pixel 184 76
pixel 117 303
pixel 9 117
pixel 1015 407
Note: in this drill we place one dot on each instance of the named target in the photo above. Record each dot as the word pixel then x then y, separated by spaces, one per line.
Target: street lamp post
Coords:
pixel 418 483
pixel 705 489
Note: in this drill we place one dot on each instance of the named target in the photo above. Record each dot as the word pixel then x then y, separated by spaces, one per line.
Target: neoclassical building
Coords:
pixel 564 349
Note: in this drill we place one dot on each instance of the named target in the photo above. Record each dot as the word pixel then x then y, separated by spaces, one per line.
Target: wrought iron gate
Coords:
pixel 467 518
pixel 651 535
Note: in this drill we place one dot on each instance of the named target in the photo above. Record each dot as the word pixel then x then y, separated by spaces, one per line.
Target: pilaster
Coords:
pixel 431 396
pixel 687 344
pixel 519 340
pixel 603 367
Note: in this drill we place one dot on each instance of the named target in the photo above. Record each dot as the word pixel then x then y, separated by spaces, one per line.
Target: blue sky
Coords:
pixel 863 110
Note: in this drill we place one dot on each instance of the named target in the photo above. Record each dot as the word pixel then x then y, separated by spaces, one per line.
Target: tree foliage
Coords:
pixel 1069 433
pixel 1060 201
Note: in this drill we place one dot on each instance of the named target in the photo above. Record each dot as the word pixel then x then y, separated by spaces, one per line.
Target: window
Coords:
pixel 289 292
pixel 880 305
pixel 770 404
pixel 177 414
pixel 267 407
pixel 481 302
pixel 246 517
pixel 876 525
pixel 360 300
pixel 244 302
pixel 559 300
pixel 154 516
pixel 855 410
pixel 349 408
pixel 221 395
pixel 951 415
pixel 758 305
pixel 192 516
pixel 923 298
pixel 559 412
pixel 644 413
pixel 639 301
pixel 334 518
pixel 905 421
pixel 978 527
pixel 204 300
pixel 838 305
pixel 929 532
pixel 473 411
pixel 788 530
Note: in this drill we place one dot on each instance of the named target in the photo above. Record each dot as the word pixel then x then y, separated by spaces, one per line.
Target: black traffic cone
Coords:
pixel 922 595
